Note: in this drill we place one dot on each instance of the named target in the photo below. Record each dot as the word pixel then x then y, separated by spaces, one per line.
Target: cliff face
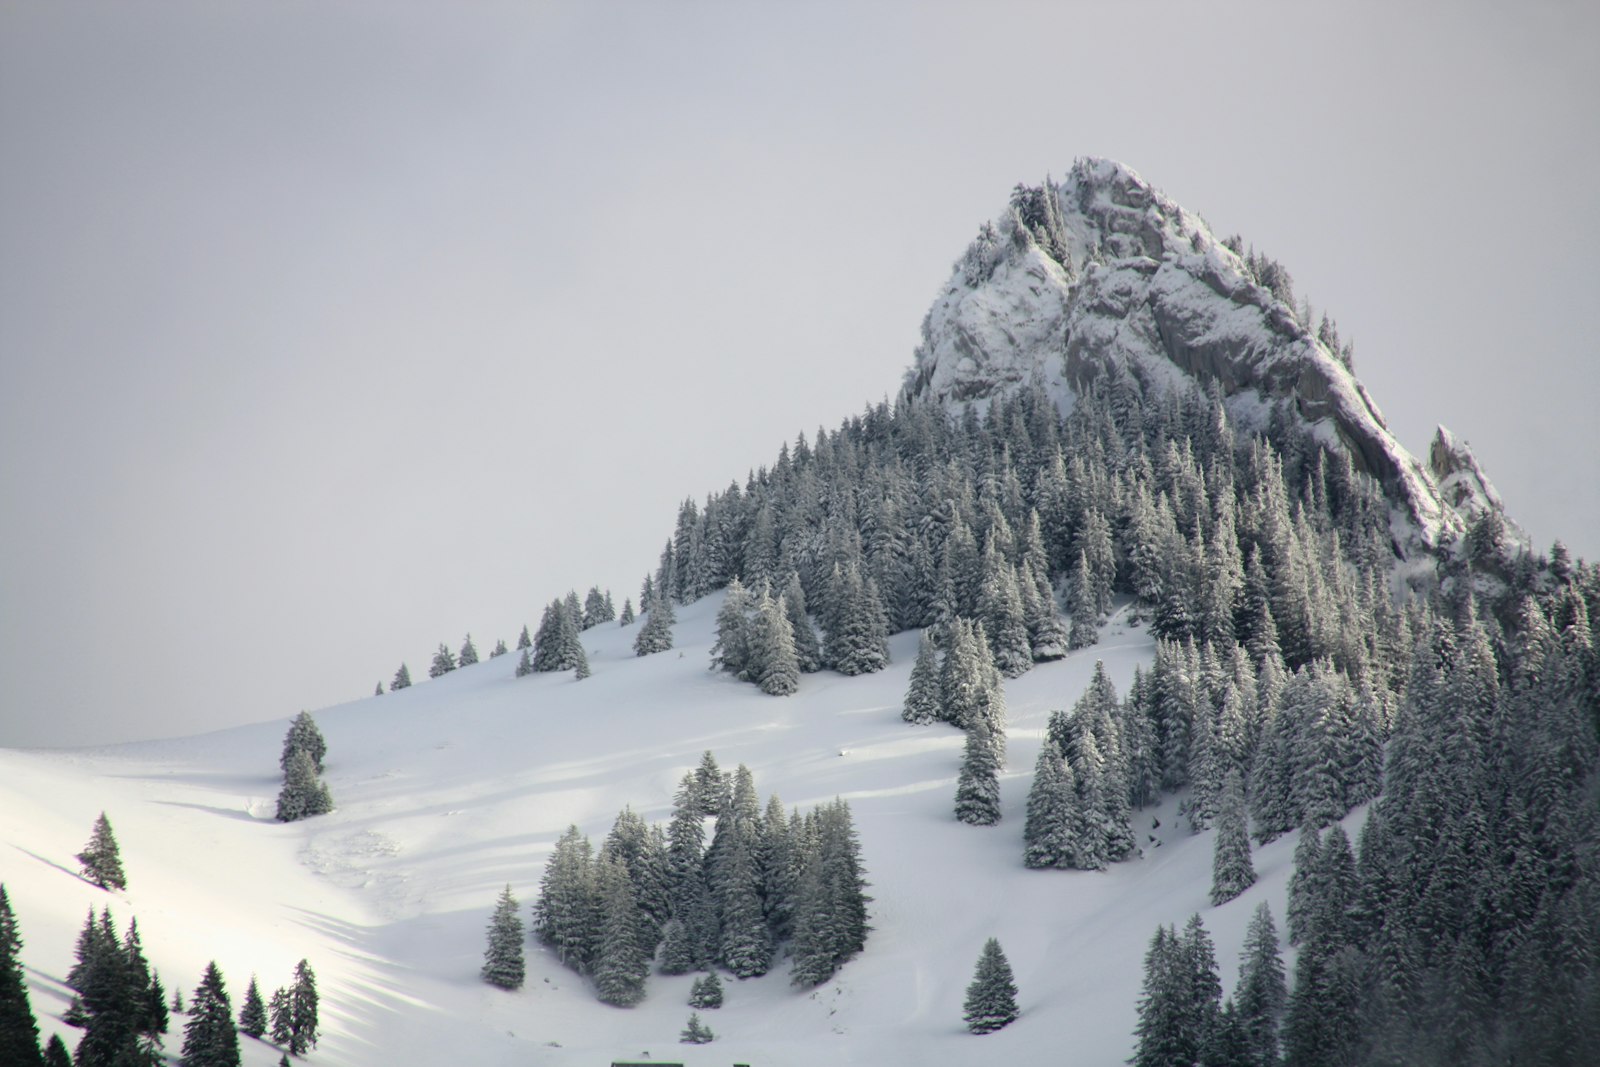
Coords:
pixel 1103 274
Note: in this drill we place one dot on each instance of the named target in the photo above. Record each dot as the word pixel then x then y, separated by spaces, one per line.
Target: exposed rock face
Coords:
pixel 1461 481
pixel 1144 288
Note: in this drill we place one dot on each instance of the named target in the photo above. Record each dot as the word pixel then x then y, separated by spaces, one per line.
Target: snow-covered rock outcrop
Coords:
pixel 1133 284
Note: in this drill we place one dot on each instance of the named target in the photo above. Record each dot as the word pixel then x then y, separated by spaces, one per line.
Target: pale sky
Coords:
pixel 329 332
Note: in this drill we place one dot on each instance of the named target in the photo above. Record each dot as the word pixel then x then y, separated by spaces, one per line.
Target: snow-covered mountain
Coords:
pixel 450 789
pixel 1110 280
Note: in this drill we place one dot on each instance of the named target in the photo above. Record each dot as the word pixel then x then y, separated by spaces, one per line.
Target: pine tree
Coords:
pixel 378 692
pixel 102 863
pixel 992 997
pixel 253 1012
pixel 706 992
pixel 524 641
pixel 696 1033
pixel 922 697
pixel 731 650
pixel 177 1001
pixel 499 649
pixel 1262 992
pixel 55 1053
pixel 444 661
pixel 282 1017
pixel 469 653
pixel 303 736
pixel 502 958
pixel 978 785
pixel 1050 837
pixel 656 633
pixel 302 795
pixel 1303 891
pixel 772 645
pixel 1083 603
pixel 210 1038
pixel 626 618
pixel 620 965
pixel 1231 870
pixel 402 679
pixel 807 653
pixel 303 1010
pixel 524 665
pixel 19 1031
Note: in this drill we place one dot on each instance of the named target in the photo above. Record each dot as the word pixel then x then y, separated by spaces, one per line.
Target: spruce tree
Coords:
pixel 656 633
pixel 620 964
pixel 706 992
pixel 978 785
pixel 626 619
pixel 773 648
pixel 303 1020
pixel 469 653
pixel 807 653
pixel 102 863
pixel 1231 870
pixel 210 1038
pixel 499 649
pixel 992 997
pixel 524 642
pixel 1262 992
pixel 503 964
pixel 19 1031
pixel 253 1012
pixel 282 1017
pixel 922 696
pixel 731 650
pixel 402 679
pixel 444 661
pixel 303 736
pixel 524 665
pixel 302 795
pixel 55 1053
pixel 1050 835
pixel 696 1032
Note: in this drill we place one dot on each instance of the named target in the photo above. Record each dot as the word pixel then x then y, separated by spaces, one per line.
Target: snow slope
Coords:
pixel 451 789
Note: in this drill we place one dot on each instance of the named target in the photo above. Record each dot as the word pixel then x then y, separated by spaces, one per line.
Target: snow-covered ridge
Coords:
pixel 1146 289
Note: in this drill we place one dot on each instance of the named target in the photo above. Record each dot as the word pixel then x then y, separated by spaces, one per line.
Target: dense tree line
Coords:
pixel 768 883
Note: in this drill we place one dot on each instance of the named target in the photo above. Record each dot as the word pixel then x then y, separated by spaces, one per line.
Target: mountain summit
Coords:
pixel 1102 281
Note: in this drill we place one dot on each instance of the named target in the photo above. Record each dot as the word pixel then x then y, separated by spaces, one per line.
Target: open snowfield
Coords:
pixel 450 789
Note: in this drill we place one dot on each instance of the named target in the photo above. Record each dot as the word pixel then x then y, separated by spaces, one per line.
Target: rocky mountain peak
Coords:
pixel 1101 274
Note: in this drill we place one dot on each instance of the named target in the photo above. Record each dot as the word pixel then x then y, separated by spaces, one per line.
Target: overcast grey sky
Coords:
pixel 329 332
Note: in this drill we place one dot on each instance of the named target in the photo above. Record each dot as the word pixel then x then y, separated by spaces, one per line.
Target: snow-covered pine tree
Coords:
pixel 1050 835
pixel 696 1032
pixel 1262 993
pixel 1303 889
pixel 978 785
pixel 656 633
pixel 303 736
pixel 922 696
pixel 19 1030
pixel 706 992
pixel 1000 608
pixel 253 1012
pixel 524 665
pixel 626 618
pixel 1084 607
pixel 402 679
pixel 444 661
pixel 302 795
pixel 303 1021
pixel 731 650
pixel 503 965
pixel 772 648
pixel 992 996
pixel 524 641
pixel 1231 870
pixel 597 608
pixel 209 1037
pixel 469 653
pixel 499 649
pixel 620 964
pixel 100 858
pixel 807 653
pixel 564 914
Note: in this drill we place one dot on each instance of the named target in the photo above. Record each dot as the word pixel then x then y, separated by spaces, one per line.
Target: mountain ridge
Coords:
pixel 1113 283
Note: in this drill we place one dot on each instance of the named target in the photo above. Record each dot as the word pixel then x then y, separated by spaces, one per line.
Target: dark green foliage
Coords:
pixel 469 653
pixel 303 736
pixel 696 1033
pixel 1262 992
pixel 1182 999
pixel 706 992
pixel 19 1031
pixel 992 996
pixel 253 1012
pixel 302 795
pixel 120 1003
pixel 55 1053
pixel 101 860
pixel 209 1037
pixel 402 679
pixel 830 909
pixel 620 962
pixel 303 1021
pixel 282 1016
pixel 503 964
pixel 1231 870
pixel 978 785
pixel 444 661
pixel 656 633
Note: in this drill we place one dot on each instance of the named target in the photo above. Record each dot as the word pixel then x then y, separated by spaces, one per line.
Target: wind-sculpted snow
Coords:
pixel 451 789
pixel 1150 293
